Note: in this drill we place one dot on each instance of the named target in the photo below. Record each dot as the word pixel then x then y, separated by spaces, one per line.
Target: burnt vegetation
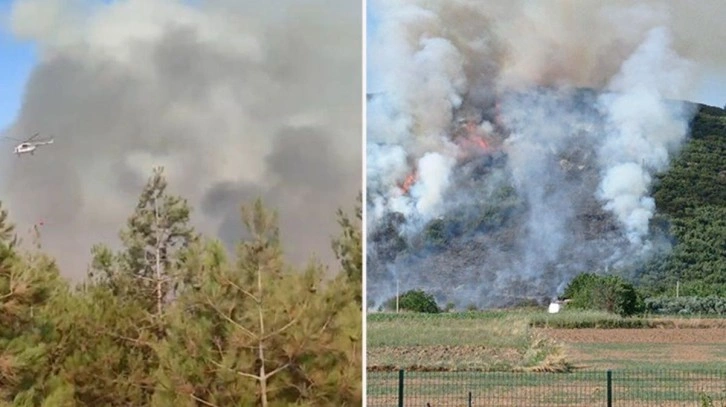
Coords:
pixel 689 227
pixel 173 318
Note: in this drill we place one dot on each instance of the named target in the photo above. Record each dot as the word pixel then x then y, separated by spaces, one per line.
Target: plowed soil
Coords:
pixel 613 348
pixel 665 336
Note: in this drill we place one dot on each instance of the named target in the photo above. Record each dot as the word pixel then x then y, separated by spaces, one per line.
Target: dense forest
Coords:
pixel 691 202
pixel 172 319
pixel 689 226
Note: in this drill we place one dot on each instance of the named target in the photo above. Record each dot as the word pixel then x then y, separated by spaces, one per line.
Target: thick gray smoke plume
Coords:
pixel 235 99
pixel 511 146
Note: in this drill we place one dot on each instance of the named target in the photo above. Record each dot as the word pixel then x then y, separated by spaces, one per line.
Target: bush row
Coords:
pixel 712 305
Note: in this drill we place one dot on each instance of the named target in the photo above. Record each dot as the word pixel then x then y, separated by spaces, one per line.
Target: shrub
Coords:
pixel 711 305
pixel 414 301
pixel 604 293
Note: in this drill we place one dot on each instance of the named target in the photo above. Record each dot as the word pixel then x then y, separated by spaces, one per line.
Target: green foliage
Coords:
pixel 262 331
pixel 155 241
pixel 702 306
pixel 98 346
pixel 250 330
pixel 348 246
pixel 577 319
pixel 28 284
pixel 414 301
pixel 691 197
pixel 7 230
pixel 581 286
pixel 605 293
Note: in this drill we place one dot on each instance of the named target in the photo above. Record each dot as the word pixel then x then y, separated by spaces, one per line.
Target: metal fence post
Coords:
pixel 469 399
pixel 610 388
pixel 400 388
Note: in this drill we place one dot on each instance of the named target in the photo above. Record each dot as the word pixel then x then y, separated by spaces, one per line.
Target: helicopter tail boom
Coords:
pixel 44 142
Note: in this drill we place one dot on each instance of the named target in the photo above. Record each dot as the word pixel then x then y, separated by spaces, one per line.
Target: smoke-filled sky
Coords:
pixel 582 40
pixel 236 99
pixel 475 120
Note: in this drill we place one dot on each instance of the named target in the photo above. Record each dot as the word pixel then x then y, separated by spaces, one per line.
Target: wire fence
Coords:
pixel 703 388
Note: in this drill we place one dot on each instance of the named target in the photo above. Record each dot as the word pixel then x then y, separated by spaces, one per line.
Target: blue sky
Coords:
pixel 371 25
pixel 16 62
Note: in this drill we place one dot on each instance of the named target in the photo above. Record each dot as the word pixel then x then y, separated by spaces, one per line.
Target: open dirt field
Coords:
pixel 671 336
pixel 642 348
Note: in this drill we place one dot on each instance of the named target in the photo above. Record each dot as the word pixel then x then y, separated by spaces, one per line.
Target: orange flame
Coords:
pixel 481 143
pixel 408 182
pixel 474 139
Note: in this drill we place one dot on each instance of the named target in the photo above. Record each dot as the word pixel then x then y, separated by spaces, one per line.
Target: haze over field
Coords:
pixel 492 174
pixel 234 99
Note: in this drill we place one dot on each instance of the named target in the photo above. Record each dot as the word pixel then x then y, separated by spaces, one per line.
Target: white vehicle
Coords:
pixel 29 146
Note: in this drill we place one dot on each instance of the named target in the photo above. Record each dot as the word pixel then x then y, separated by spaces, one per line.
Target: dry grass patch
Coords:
pixel 505 343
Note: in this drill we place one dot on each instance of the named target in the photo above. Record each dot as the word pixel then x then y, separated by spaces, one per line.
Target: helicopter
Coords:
pixel 29 146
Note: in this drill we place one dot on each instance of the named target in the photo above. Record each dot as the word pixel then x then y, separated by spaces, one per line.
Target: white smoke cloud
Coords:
pixel 564 187
pixel 427 79
pixel 644 128
pixel 430 190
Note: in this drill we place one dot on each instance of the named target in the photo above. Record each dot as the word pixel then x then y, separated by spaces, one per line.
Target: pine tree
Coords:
pixel 349 249
pixel 106 333
pixel 155 240
pixel 12 290
pixel 28 283
pixel 7 230
pixel 259 332
pixel 335 372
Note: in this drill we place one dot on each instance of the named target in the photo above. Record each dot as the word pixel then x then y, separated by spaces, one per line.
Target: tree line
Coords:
pixel 172 318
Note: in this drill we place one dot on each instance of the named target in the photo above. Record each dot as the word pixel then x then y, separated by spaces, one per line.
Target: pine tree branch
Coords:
pixel 302 391
pixel 283 328
pixel 232 321
pixel 327 322
pixel 276 371
pixel 287 325
pixel 201 400
pixel 242 290
pixel 129 339
pixel 243 374
pixel 153 279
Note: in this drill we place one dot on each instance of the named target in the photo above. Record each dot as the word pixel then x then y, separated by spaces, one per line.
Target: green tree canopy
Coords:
pixel 174 319
pixel 609 293
pixel 414 301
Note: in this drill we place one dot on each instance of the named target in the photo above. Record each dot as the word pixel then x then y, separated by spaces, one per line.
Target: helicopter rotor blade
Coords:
pixel 33 136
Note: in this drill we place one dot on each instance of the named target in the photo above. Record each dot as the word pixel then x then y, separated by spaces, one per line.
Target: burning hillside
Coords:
pixel 472 136
pixel 487 193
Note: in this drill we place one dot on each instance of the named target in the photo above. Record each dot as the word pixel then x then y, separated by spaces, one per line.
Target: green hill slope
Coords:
pixel 691 197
